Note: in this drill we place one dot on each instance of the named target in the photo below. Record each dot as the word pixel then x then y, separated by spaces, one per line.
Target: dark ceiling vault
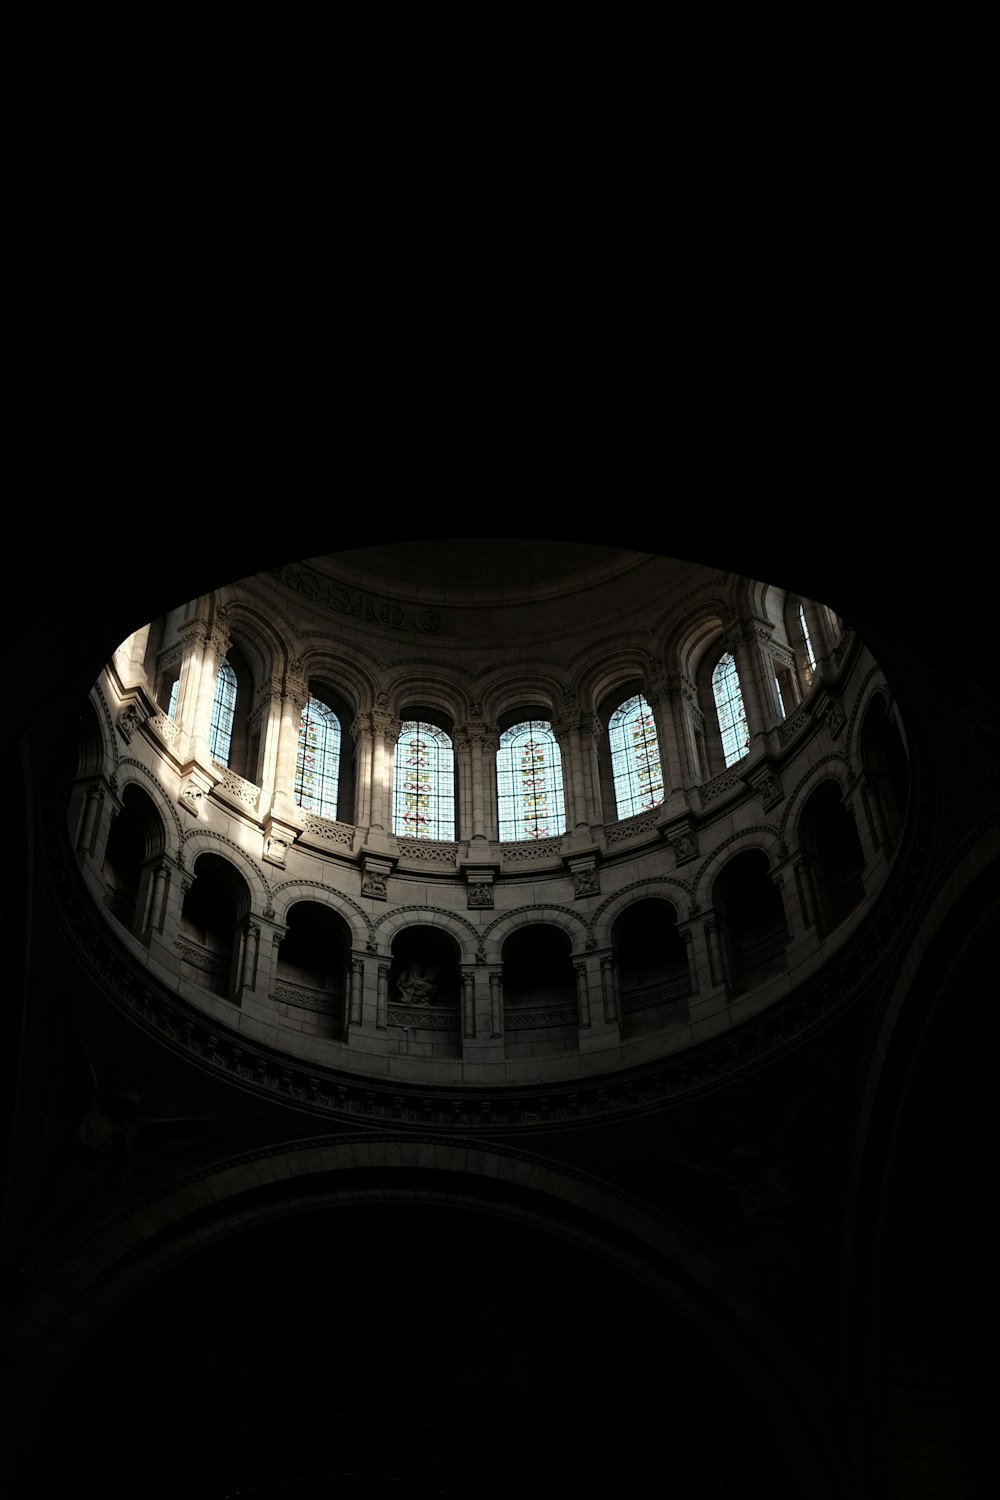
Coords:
pixel 409 1335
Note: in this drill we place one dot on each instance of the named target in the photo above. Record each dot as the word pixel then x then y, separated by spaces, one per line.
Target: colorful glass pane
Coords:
pixel 223 711
pixel 529 783
pixel 423 805
pixel 317 764
pixel 729 707
pixel 810 656
pixel 635 758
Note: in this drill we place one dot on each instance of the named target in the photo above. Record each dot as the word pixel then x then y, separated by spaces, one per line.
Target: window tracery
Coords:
pixel 223 713
pixel 730 709
pixel 423 802
pixel 317 762
pixel 635 758
pixel 530 799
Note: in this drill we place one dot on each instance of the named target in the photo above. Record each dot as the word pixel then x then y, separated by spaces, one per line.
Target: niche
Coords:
pixel 651 963
pixel 135 843
pixel 425 984
pixel 541 1017
pixel 835 861
pixel 311 974
pixel 212 927
pixel 751 919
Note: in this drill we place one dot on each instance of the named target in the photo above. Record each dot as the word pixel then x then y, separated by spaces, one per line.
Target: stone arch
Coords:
pixel 467 936
pixel 749 919
pixel 171 1226
pixel 758 836
pixel 205 841
pixel 266 648
pixel 501 927
pixel 831 767
pixel 289 893
pixel 525 685
pixel 133 771
pixel 601 675
pixel 134 848
pixel 684 642
pixel 444 691
pixel 665 887
pixel 357 681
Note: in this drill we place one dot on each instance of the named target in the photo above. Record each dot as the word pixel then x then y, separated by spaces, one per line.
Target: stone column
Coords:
pixel 496 1002
pixel 203 652
pixel 582 992
pixel 609 987
pixel 483 747
pixel 468 1001
pixel 136 656
pixel 567 731
pixel 91 819
pixel 293 701
pixel 382 997
pixel 463 761
pixel 739 646
pixel 157 898
pixel 357 987
pixel 361 733
pixel 248 970
pixel 663 696
pixel 807 891
pixel 385 733
pixel 690 724
pixel 716 961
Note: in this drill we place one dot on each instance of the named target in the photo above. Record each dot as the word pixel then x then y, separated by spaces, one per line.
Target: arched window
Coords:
pixel 635 757
pixel 529 783
pixel 223 713
pixel 423 797
pixel 729 707
pixel 810 654
pixel 317 764
pixel 172 700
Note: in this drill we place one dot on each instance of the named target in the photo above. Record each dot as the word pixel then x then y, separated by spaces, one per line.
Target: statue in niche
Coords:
pixel 417 982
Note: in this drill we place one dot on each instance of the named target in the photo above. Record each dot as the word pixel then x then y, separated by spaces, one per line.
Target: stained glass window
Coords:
pixel 223 709
pixel 529 783
pixel 317 764
pixel 423 799
pixel 635 757
pixel 729 707
pixel 805 636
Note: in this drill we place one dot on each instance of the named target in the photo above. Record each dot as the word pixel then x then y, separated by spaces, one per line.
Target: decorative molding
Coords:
pixel 304 998
pixel 356 603
pixel 530 851
pixel 790 727
pixel 667 993
pixel 630 828
pixel 237 786
pixel 425 1018
pixel 525 1019
pixel 129 721
pixel 327 828
pixel 586 882
pixel 431 850
pixel 729 780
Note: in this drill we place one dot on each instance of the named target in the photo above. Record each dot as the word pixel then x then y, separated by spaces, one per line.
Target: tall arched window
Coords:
pixel 810 654
pixel 729 707
pixel 529 783
pixel 317 764
pixel 423 796
pixel 223 713
pixel 635 757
